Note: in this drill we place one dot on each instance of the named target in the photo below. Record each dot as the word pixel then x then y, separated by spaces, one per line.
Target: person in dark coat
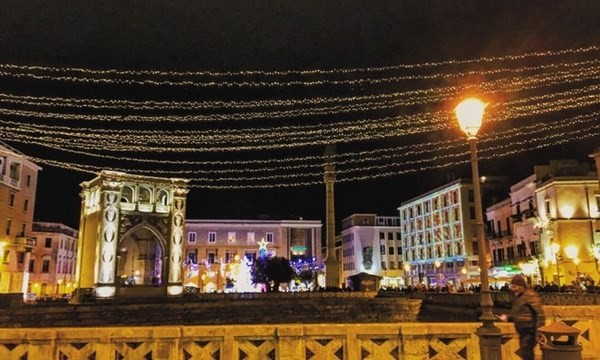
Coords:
pixel 527 314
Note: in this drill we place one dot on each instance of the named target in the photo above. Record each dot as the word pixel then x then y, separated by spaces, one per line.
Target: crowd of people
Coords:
pixel 583 284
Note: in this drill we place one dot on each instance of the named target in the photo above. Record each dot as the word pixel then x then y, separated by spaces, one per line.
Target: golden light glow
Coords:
pixel 470 115
pixel 437 263
pixel 463 271
pixel 576 261
pixel 572 251
pixel 567 211
pixel 406 267
pixel 555 247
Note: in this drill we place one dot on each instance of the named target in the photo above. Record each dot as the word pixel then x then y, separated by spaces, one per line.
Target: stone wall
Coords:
pixel 408 341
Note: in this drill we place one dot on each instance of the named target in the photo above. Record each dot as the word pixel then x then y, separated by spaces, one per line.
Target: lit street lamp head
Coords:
pixel 470 115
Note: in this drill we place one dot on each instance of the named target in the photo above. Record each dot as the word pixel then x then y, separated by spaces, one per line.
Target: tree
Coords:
pixel 276 270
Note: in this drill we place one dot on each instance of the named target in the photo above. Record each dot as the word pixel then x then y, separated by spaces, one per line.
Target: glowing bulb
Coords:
pixel 470 115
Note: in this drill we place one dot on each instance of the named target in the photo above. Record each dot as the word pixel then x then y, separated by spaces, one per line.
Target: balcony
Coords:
pixel 6 179
pixel 162 209
pixel 125 206
pixel 145 207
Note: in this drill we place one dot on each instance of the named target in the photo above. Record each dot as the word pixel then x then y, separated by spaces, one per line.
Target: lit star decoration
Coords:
pixel 262 247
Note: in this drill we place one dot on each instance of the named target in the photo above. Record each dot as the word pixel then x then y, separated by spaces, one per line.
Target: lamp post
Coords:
pixel 555 247
pixel 437 264
pixel 572 252
pixel 407 273
pixel 470 115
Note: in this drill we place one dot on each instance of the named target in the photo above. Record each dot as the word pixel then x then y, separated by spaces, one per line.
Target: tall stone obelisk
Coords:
pixel 332 263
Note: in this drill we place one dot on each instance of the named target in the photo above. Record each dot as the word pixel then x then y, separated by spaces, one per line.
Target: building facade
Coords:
pixel 568 207
pixel 513 233
pixel 439 236
pixel 213 248
pixel 18 183
pixel 549 228
pixel 371 244
pixel 52 261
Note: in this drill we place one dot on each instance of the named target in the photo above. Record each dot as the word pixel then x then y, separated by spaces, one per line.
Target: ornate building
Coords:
pixel 18 183
pixel 131 235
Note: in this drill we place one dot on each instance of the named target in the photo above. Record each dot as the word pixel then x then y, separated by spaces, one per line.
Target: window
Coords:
pixel 21 257
pixel 46 266
pixel 382 249
pixel 383 265
pixel 28 181
pixel 11 199
pixel 547 207
pixel 250 255
pixel 26 205
pixel 6 256
pixel 48 243
pixel 231 237
pixel 381 236
pixel 211 257
pixel 192 256
pixel 270 237
pixel 23 227
pixel 472 212
pixel 31 265
pixel 390 236
pixel 250 238
pixel 192 237
pixel 8 226
pixel 391 250
pixel 15 171
pixel 212 237
pixel 229 257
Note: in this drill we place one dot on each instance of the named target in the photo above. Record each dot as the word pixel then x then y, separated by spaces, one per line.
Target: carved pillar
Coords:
pixel 175 281
pixel 107 242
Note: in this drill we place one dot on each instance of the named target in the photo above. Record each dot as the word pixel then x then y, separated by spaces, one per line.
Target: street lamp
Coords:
pixel 555 247
pixel 470 116
pixel 406 273
pixel 572 253
pixel 437 264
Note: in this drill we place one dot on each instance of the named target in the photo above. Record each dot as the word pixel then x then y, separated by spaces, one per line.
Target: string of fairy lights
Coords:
pixel 397 122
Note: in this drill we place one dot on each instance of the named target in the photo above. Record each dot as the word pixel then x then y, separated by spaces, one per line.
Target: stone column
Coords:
pixel 175 281
pixel 107 256
pixel 332 263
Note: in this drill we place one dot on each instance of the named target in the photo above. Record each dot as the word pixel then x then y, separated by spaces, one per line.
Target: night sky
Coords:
pixel 233 36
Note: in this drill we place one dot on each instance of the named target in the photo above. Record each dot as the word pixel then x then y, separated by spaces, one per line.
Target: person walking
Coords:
pixel 527 314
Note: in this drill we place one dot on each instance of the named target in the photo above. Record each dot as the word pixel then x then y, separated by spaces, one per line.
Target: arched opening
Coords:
pixel 127 194
pixel 140 262
pixel 162 197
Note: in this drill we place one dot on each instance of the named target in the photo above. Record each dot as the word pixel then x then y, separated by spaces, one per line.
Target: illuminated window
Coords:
pixel 191 237
pixel 250 238
pixel 231 237
pixel 212 237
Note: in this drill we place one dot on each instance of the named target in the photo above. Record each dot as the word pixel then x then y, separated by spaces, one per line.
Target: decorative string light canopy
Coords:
pixel 254 133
